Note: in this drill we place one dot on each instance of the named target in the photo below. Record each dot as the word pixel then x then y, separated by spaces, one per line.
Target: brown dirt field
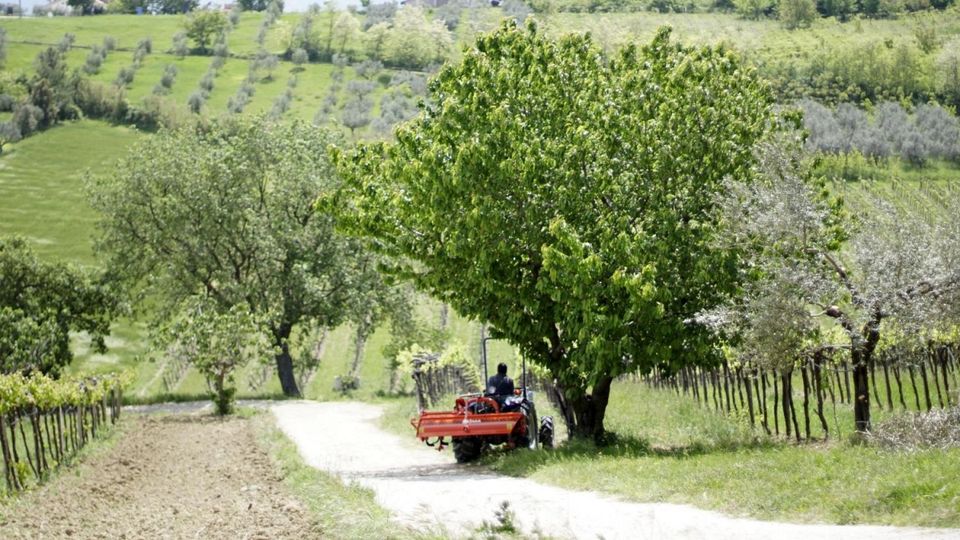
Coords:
pixel 167 477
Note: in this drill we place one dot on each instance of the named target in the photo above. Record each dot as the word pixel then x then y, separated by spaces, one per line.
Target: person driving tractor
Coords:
pixel 499 385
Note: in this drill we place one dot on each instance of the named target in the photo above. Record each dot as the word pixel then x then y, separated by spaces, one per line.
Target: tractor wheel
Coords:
pixel 546 432
pixel 467 449
pixel 529 440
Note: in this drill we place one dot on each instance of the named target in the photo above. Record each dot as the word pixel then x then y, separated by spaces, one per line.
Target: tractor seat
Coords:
pixel 510 403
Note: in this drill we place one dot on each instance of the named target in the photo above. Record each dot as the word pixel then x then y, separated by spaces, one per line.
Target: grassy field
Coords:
pixel 671 450
pixel 668 449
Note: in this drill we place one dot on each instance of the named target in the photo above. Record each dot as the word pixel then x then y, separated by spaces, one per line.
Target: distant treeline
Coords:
pixel 841 9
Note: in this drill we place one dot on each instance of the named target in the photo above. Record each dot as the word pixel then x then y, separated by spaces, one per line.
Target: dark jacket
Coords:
pixel 500 385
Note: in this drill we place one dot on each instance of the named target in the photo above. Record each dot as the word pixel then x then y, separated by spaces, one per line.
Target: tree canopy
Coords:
pixel 226 211
pixel 565 197
pixel 204 26
pixel 40 304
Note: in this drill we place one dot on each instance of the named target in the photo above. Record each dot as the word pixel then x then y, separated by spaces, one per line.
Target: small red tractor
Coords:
pixel 485 419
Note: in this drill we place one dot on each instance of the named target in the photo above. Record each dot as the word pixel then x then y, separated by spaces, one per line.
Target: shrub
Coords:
pixel 797 13
pixel 7 102
pixel 27 118
pixel 109 43
pixel 180 47
pixel 754 9
pixel 94 61
pixel 299 57
pixel 206 82
pixel 221 49
pixel 939 428
pixel 125 77
pixel 169 76
pixel 66 42
pixel 101 101
pixel 195 101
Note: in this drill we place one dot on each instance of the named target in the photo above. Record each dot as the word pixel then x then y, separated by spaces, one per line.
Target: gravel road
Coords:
pixel 425 488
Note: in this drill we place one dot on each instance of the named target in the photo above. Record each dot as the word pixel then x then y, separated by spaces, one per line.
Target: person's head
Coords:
pixel 501 369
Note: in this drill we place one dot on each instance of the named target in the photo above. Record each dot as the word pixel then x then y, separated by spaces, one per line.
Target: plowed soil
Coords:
pixel 166 477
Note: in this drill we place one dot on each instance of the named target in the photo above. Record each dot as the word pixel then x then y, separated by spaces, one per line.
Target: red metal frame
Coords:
pixel 462 423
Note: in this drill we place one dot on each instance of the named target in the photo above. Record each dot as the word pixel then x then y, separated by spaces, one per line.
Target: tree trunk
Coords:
pixel 583 412
pixel 806 399
pixel 288 379
pixel 359 344
pixel 861 403
pixel 444 315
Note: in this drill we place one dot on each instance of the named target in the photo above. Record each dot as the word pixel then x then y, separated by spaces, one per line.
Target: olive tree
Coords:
pixel 895 267
pixel 564 197
pixel 227 211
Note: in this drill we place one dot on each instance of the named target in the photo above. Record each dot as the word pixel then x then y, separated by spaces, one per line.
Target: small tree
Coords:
pixel 216 343
pixel 195 101
pixel 299 58
pixel 94 61
pixel 266 62
pixel 3 46
pixel 66 42
pixel 9 133
pixel 356 114
pixel 754 9
pixel 797 13
pixel 180 47
pixel 203 27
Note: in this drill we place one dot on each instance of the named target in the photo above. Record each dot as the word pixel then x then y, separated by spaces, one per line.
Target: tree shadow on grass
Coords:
pixel 525 463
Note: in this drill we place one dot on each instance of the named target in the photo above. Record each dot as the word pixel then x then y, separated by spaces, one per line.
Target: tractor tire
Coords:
pixel 467 449
pixel 546 432
pixel 529 440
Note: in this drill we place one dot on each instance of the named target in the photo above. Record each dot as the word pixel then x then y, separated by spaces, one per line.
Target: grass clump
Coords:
pixel 937 429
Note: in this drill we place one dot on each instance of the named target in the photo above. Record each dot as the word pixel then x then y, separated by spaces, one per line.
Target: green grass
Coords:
pixel 671 450
pixel 41 191
pixel 127 30
pixel 42 199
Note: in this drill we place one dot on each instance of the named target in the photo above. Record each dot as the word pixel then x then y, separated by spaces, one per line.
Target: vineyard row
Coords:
pixel 44 421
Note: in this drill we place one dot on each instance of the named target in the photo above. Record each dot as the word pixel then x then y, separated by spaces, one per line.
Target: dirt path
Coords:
pixel 167 477
pixel 425 488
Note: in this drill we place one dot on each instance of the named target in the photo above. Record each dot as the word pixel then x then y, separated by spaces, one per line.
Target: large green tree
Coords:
pixel 41 303
pixel 566 198
pixel 226 211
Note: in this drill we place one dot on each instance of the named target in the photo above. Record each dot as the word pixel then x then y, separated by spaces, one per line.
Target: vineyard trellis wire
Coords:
pixel 45 421
pixel 905 378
